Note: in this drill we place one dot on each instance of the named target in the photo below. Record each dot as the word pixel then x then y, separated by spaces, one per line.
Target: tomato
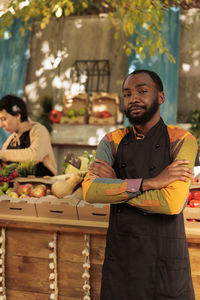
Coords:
pixel 194 203
pixel 103 114
pixel 195 179
pixel 192 220
pixel 55 116
pixel 190 196
pixel 196 195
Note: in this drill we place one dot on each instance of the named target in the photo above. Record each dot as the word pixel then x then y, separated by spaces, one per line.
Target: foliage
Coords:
pixel 127 14
pixel 195 124
pixel 46 102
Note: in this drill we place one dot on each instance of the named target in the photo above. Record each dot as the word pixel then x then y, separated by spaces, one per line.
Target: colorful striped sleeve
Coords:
pixel 107 190
pixel 172 199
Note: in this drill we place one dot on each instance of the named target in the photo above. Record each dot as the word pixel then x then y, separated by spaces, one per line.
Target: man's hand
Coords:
pixel 174 172
pixel 100 168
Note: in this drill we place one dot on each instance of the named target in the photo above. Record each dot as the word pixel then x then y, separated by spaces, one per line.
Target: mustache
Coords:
pixel 132 106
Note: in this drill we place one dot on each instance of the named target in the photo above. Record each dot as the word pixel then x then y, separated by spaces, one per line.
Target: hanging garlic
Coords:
pixel 51 255
pixel 86 297
pixel 86 267
pixel 52 296
pixel 51 266
pixel 53 276
pixel 2 265
pixel 86 287
pixel 51 244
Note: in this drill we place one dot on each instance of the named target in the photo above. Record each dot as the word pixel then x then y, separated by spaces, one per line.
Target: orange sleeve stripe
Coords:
pixel 116 191
pixel 151 203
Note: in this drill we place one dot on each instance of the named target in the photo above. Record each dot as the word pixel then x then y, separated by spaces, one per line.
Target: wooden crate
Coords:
pixel 75 102
pixel 104 102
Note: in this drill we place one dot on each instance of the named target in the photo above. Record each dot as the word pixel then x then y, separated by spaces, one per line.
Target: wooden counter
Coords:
pixel 27 256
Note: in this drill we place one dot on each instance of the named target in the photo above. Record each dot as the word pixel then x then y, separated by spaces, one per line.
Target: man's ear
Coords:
pixel 161 97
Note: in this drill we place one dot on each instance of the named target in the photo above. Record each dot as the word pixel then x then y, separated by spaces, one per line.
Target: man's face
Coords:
pixel 9 122
pixel 141 98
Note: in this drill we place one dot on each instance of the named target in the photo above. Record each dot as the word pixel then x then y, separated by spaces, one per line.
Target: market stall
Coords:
pixel 53 248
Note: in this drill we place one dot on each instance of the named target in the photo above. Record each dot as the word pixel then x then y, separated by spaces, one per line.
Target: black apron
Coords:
pixel 146 255
pixel 41 169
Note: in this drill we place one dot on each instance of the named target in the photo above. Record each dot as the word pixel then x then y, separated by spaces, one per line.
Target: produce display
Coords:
pixel 73 164
pixel 193 203
pixel 62 188
pixel 17 180
pixel 23 169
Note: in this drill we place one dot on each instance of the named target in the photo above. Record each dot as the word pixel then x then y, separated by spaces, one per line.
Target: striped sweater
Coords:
pixel 168 200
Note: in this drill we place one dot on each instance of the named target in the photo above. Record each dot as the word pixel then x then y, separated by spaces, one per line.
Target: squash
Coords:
pixel 62 188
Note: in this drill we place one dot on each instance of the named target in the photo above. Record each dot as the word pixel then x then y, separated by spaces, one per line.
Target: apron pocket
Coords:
pixel 172 279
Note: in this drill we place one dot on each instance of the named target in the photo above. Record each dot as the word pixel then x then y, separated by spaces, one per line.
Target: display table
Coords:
pixel 55 249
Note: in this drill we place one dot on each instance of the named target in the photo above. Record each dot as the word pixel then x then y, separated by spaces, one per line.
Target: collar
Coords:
pixel 24 126
pixel 157 127
pixel 138 135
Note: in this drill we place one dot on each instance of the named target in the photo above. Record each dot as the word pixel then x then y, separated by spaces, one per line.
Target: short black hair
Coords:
pixel 14 106
pixel 152 74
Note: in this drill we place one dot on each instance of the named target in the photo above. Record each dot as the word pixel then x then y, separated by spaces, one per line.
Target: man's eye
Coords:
pixel 127 95
pixel 142 92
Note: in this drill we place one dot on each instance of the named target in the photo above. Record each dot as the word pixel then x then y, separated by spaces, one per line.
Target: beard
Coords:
pixel 146 116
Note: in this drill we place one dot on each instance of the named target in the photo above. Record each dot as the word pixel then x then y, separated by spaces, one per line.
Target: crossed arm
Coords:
pixel 165 193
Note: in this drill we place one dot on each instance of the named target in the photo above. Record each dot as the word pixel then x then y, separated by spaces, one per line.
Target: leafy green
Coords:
pixel 90 156
pixel 27 167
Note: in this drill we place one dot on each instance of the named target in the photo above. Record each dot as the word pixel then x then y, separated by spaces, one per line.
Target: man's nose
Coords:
pixel 134 97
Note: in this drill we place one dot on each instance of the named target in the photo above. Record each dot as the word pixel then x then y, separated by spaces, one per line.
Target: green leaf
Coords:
pixel 128 51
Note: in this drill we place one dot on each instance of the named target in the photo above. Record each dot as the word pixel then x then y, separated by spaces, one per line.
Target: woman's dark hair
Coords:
pixel 14 106
pixel 152 74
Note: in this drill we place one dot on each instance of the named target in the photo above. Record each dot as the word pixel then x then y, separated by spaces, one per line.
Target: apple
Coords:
pixel 25 189
pixel 4 186
pixel 9 190
pixel 41 186
pixel 24 196
pixel 38 192
pixel 13 195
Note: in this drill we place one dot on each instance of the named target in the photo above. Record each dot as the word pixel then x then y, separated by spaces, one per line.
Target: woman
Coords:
pixel 28 140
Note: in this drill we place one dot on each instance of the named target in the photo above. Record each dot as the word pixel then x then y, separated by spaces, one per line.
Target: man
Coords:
pixel 28 140
pixel 144 171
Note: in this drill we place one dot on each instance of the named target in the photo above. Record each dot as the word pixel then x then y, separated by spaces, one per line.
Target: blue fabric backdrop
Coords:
pixel 3 137
pixel 14 55
pixel 160 64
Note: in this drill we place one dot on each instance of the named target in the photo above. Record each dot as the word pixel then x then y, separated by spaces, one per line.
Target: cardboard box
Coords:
pixel 93 212
pixel 52 207
pixel 104 102
pixel 17 206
